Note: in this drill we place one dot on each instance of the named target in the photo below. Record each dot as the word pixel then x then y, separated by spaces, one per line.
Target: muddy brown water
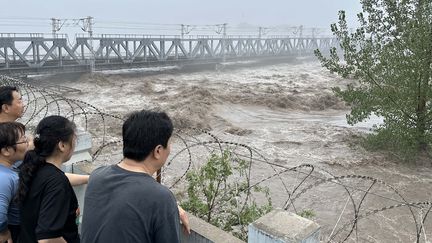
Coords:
pixel 288 114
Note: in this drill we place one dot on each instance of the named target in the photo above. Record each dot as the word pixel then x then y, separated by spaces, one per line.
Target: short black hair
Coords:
pixel 143 131
pixel 10 133
pixel 6 95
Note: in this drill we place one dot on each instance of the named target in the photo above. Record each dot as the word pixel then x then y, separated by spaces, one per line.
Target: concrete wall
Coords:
pixel 203 232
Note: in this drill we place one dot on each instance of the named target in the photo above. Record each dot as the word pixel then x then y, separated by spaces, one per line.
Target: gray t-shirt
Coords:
pixel 125 206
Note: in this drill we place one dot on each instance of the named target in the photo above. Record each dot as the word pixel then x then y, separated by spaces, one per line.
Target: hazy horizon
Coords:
pixel 141 17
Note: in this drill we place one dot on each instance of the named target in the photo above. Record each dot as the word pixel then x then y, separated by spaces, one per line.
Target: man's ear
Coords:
pixel 157 151
pixel 5 108
pixel 5 151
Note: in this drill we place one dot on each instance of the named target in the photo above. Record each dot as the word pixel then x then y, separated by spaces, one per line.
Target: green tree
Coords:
pixel 218 193
pixel 390 54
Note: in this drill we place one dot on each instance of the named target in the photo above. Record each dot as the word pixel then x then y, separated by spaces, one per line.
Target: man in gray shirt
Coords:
pixel 123 202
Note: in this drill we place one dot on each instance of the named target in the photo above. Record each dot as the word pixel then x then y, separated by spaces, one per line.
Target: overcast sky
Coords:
pixel 266 13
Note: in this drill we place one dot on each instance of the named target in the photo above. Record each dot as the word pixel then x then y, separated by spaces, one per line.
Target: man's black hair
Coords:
pixel 6 95
pixel 143 131
pixel 10 133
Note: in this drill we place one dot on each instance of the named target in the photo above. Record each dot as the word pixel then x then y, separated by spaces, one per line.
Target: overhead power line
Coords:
pixel 170 28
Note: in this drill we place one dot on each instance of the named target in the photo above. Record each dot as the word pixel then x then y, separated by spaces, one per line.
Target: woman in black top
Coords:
pixel 48 203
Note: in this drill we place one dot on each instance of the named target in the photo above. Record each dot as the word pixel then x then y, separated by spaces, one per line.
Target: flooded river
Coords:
pixel 289 116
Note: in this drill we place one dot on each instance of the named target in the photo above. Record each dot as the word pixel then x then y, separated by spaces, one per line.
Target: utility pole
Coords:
pixel 186 29
pixel 88 27
pixel 300 41
pixel 55 23
pixel 261 32
pixel 300 31
pixel 223 41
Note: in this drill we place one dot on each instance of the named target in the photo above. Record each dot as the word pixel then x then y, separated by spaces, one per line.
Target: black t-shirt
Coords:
pixel 128 207
pixel 50 208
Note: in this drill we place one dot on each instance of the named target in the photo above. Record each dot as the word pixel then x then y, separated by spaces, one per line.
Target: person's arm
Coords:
pixel 55 240
pixel 184 219
pixel 30 139
pixel 77 180
pixel 5 199
pixel 5 236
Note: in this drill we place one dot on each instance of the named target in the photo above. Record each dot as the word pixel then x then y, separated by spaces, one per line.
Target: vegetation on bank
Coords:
pixel 219 193
pixel 390 56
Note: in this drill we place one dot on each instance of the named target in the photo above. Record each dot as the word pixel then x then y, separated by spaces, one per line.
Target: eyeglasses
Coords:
pixel 25 140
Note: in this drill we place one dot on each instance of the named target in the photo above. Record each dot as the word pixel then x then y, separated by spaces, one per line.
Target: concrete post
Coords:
pixel 82 149
pixel 280 226
pixel 82 153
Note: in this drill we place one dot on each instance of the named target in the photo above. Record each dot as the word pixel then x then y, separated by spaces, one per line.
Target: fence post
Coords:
pixel 82 152
pixel 280 226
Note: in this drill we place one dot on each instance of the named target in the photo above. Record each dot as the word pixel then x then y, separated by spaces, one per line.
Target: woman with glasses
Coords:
pixel 47 201
pixel 13 146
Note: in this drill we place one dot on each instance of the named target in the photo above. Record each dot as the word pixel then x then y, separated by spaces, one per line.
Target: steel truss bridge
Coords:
pixel 36 53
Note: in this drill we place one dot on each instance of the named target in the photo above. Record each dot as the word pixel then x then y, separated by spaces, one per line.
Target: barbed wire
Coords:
pixel 291 187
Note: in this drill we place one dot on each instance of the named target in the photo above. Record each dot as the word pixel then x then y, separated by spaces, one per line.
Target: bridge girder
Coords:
pixel 39 52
